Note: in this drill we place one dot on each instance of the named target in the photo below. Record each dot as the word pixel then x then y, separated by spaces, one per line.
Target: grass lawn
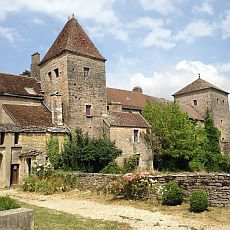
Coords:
pixel 50 219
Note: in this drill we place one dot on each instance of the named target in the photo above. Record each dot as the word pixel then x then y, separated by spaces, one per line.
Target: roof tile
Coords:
pixel 198 84
pixel 125 119
pixel 18 85
pixel 130 99
pixel 29 115
pixel 73 39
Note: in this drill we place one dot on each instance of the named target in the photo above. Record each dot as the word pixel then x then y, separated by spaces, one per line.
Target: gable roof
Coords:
pixel 125 119
pixel 73 39
pixel 192 112
pixel 130 99
pixel 197 85
pixel 29 115
pixel 18 85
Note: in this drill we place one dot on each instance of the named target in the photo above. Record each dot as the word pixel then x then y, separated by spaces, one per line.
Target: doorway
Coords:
pixel 14 174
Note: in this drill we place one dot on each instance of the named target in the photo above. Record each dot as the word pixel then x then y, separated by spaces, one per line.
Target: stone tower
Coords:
pixel 202 95
pixel 74 69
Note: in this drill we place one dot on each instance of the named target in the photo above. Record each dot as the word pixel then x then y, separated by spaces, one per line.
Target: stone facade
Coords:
pixel 124 139
pixel 77 91
pixel 16 157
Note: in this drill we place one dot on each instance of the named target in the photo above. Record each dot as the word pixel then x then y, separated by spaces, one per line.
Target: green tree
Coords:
pixel 212 133
pixel 52 151
pixel 176 138
pixel 88 154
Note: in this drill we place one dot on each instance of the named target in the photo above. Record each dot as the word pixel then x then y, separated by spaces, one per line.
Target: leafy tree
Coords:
pixel 88 155
pixel 176 136
pixel 52 151
pixel 212 133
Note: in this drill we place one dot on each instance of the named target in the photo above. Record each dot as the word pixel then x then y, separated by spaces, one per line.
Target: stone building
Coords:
pixel 202 95
pixel 67 90
pixel 25 125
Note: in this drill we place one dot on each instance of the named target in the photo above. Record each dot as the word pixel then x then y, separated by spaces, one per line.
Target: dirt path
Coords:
pixel 136 218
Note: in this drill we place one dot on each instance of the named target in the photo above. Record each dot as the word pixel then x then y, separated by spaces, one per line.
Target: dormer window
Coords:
pixel 194 102
pixel 86 72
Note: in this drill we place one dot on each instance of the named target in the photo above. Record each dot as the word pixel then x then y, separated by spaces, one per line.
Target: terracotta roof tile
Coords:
pixel 29 115
pixel 18 85
pixel 73 39
pixel 125 119
pixel 130 99
pixel 198 84
pixel 192 112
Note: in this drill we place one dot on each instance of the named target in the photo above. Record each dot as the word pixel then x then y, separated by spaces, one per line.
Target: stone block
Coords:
pixel 17 219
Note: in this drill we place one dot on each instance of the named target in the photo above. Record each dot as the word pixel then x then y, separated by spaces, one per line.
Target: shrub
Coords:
pixel 7 203
pixel 135 186
pixel 52 151
pixel 198 201
pixel 172 194
pixel 56 182
pixel 86 154
pixel 42 170
pixel 131 163
pixel 112 168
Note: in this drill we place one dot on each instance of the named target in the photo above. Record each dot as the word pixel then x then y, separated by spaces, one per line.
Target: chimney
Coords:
pixel 137 89
pixel 56 109
pixel 34 67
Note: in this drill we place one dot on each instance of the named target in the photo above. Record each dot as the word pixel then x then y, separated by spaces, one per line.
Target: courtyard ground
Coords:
pixel 137 218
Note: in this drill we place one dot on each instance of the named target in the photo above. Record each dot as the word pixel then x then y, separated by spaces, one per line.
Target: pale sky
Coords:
pixel 159 45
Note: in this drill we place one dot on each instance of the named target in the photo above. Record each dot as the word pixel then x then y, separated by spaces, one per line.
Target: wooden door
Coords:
pixel 14 174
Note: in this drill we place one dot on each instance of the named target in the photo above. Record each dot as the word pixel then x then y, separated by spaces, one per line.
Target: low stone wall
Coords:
pixel 217 185
pixel 17 219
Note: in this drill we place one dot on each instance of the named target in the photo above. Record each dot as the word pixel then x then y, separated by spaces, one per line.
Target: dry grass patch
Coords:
pixel 213 215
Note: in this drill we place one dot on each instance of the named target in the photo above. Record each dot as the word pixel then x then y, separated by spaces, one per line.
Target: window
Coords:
pixel 88 110
pixel 50 76
pixel 56 71
pixel 194 102
pixel 86 72
pixel 217 100
pixel 16 138
pixel 2 138
pixel 221 121
pixel 135 136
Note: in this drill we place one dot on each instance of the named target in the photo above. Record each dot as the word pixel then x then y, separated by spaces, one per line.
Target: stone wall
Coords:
pixel 17 219
pixel 216 185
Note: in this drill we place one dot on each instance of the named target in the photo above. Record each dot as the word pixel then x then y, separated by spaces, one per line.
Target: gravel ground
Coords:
pixel 136 218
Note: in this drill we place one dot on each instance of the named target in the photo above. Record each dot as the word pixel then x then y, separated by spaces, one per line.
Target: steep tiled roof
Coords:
pixel 73 39
pixel 125 119
pixel 29 115
pixel 130 99
pixel 18 85
pixel 198 84
pixel 192 112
